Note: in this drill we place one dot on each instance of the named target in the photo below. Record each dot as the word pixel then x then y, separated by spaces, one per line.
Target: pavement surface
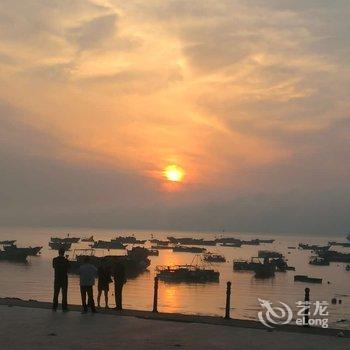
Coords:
pixel 39 328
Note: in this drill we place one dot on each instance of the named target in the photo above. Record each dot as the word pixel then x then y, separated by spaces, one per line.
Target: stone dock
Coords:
pixel 32 325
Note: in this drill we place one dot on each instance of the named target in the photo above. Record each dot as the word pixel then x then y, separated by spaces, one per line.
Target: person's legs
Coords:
pixel 119 296
pixel 83 297
pixel 91 298
pixel 56 292
pixel 106 298
pixel 64 296
pixel 99 297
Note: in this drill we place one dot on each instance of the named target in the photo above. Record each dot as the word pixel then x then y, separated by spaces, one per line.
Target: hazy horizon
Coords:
pixel 248 98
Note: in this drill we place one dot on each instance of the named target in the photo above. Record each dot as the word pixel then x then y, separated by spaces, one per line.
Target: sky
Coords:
pixel 249 98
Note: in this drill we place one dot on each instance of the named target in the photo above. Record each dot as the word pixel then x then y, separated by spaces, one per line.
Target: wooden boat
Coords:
pixel 13 256
pixel 340 244
pixel 31 251
pixel 265 270
pixel 88 239
pixel 266 240
pixel 107 245
pixel 304 278
pixel 313 247
pixel 65 240
pixel 159 242
pixel 135 261
pixel 269 254
pixel 245 265
pixel 316 260
pixel 210 257
pixel 128 240
pixel 191 241
pixel 8 242
pixel 187 273
pixel 232 244
pixel 334 256
pixel 184 249
pixel 60 245
pixel 251 242
pixel 161 247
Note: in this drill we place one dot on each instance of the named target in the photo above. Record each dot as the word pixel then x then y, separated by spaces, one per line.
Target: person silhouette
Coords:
pixel 61 267
pixel 88 273
pixel 104 279
pixel 119 281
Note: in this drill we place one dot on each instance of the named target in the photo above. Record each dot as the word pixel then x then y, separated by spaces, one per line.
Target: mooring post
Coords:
pixel 228 300
pixel 155 295
pixel 307 307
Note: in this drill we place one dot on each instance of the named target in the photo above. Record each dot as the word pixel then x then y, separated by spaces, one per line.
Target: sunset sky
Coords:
pixel 249 98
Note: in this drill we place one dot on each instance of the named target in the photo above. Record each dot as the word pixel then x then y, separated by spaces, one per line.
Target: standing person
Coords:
pixel 61 266
pixel 119 281
pixel 87 273
pixel 104 279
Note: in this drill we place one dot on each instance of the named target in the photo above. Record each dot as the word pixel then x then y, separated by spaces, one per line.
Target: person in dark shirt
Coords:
pixel 61 266
pixel 104 279
pixel 119 281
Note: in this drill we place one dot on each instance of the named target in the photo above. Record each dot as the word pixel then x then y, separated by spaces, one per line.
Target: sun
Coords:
pixel 174 173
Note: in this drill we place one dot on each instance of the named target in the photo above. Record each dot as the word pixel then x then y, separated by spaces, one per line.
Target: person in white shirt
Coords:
pixel 88 273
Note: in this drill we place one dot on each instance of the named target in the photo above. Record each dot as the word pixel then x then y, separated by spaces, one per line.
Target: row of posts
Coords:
pixel 228 301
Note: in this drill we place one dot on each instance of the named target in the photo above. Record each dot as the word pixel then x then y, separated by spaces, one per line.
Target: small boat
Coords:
pixel 313 247
pixel 245 265
pixel 8 242
pixel 291 247
pixel 232 244
pixel 159 242
pixel 316 260
pixel 191 241
pixel 334 256
pixel 107 245
pixel 128 240
pixel 88 239
pixel 31 251
pixel 266 240
pixel 265 270
pixel 210 257
pixel 340 244
pixel 184 249
pixel 60 245
pixel 269 254
pixel 304 278
pixel 149 252
pixel 65 240
pixel 13 256
pixel 161 247
pixel 187 273
pixel 251 242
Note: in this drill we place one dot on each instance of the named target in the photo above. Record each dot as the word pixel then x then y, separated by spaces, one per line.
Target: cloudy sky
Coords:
pixel 249 97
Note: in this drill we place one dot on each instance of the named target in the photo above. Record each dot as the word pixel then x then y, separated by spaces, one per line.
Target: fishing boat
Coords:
pixel 128 240
pixel 313 247
pixel 269 254
pixel 135 261
pixel 107 245
pixel 265 270
pixel 191 241
pixel 88 239
pixel 251 242
pixel 245 265
pixel 184 249
pixel 210 257
pixel 229 241
pixel 187 273
pixel 65 239
pixel 13 256
pixel 334 256
pixel 316 260
pixel 307 279
pixel 340 244
pixel 149 252
pixel 31 251
pixel 266 240
pixel 8 242
pixel 60 245
pixel 162 247
pixel 159 242
pixel 232 244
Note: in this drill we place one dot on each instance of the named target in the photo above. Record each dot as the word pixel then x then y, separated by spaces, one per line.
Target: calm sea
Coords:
pixel 34 280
